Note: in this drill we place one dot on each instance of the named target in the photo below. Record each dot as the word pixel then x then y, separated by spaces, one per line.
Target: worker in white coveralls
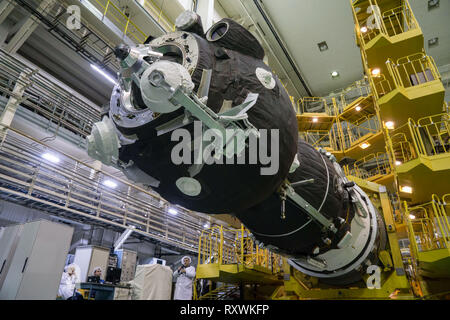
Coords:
pixel 185 276
pixel 68 282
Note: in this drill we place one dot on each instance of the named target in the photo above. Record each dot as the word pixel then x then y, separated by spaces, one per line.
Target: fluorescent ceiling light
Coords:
pixel 364 145
pixel 206 225
pixel 103 73
pixel 50 157
pixel 315 119
pixel 397 163
pixel 412 217
pixel 406 189
pixel 110 183
pixel 390 125
pixel 364 29
pixel 358 108
pixel 172 211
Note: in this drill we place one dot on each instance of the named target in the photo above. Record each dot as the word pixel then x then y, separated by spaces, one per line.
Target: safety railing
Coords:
pixel 401 147
pixel 33 173
pixel 354 92
pixel 42 95
pixel 428 137
pixel 371 22
pixel 314 105
pixel 158 14
pixel 322 138
pixel 428 224
pixel 432 134
pixel 380 85
pixel 355 132
pixel 373 165
pixel 225 246
pixel 122 20
pixel 413 70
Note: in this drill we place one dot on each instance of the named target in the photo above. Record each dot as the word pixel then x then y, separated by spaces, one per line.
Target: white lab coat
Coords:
pixel 183 287
pixel 67 285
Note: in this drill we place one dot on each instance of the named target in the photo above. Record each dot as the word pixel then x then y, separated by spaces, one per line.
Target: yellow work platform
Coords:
pixel 426 175
pixel 358 108
pixel 381 48
pixel 315 121
pixel 383 179
pixel 434 263
pixel 374 140
pixel 414 102
pixel 237 273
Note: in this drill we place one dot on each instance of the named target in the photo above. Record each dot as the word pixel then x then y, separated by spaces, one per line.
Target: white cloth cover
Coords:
pixel 183 288
pixel 152 282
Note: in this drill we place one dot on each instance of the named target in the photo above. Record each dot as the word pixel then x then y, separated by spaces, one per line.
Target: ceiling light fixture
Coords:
pixel 322 46
pixel 376 72
pixel 433 42
pixel 103 73
pixel 364 29
pixel 315 119
pixel 358 108
pixel 110 184
pixel 397 163
pixel 364 145
pixel 334 74
pixel 390 125
pixel 173 211
pixel 433 4
pixel 406 189
pixel 50 157
pixel 412 217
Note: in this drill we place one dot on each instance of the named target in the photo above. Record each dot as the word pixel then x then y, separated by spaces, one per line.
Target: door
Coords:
pixel 9 239
pixel 19 261
pixel 43 272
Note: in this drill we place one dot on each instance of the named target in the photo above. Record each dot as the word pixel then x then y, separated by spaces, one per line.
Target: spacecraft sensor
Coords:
pixel 306 210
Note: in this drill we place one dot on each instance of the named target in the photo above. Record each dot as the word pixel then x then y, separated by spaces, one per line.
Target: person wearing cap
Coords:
pixel 185 274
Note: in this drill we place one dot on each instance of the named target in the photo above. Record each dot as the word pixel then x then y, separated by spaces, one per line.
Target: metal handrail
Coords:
pixel 45 97
pixel 359 168
pixel 429 223
pixel 112 11
pixel 160 16
pixel 321 138
pixel 225 246
pixel 413 70
pixel 304 105
pixel 390 23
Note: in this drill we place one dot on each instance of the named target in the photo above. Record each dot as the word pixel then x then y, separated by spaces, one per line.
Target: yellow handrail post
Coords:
pixel 106 9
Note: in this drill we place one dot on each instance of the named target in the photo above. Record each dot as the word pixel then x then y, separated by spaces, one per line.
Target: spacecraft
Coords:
pixel 188 84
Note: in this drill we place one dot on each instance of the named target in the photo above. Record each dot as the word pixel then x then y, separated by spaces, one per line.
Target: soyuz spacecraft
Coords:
pixel 189 81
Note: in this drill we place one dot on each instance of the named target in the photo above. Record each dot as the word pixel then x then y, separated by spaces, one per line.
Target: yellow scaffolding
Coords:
pixel 429 236
pixel 127 26
pixel 226 246
pixel 371 167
